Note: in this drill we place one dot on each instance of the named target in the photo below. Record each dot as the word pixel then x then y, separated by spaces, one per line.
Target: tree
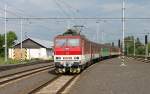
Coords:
pixel 1 45
pixel 11 37
pixel 140 48
pixel 129 46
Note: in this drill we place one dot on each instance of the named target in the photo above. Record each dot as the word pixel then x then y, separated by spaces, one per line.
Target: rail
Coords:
pixel 12 66
pixel 11 77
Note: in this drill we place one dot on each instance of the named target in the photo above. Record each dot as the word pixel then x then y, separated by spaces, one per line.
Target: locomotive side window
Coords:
pixel 60 42
pixel 73 42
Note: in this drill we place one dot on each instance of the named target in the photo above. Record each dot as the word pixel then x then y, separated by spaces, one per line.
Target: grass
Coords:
pixel 10 61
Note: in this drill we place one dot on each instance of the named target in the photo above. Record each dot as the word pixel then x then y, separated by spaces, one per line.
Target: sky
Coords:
pixel 48 29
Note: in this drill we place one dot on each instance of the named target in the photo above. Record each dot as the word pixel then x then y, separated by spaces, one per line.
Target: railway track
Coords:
pixel 13 66
pixel 59 85
pixel 4 80
pixel 140 58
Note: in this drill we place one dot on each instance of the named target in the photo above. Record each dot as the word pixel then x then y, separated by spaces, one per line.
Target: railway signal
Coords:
pixel 113 44
pixel 146 47
pixel 146 40
pixel 119 44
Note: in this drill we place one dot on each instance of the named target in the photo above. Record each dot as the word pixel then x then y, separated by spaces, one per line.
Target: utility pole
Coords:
pixel 21 39
pixel 102 31
pixel 102 36
pixel 123 36
pixel 123 27
pixel 97 31
pixel 5 33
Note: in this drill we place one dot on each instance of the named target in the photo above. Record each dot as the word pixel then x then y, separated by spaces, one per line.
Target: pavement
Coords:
pixel 108 77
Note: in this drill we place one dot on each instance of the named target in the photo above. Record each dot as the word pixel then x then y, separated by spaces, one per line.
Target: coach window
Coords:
pixel 60 42
pixel 73 42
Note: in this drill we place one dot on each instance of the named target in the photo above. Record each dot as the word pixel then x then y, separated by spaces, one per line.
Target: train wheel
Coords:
pixel 71 70
pixel 63 70
pixel 78 70
pixel 83 67
pixel 60 70
pixel 56 71
pixel 74 70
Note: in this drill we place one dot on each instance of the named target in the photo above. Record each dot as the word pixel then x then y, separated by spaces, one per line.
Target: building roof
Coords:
pixel 45 43
pixel 35 43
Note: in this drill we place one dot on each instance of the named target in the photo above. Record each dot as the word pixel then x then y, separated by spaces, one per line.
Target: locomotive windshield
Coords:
pixel 67 42
pixel 60 42
pixel 73 42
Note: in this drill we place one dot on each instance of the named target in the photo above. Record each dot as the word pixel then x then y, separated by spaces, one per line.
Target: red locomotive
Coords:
pixel 73 52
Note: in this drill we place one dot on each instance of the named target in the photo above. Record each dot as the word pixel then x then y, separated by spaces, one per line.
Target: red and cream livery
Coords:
pixel 73 52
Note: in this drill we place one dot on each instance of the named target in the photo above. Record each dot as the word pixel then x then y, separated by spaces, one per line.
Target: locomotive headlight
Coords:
pixel 58 57
pixel 76 58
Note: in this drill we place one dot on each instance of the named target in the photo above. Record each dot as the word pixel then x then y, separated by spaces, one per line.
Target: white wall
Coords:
pixel 41 53
pixel 33 53
pixel 11 53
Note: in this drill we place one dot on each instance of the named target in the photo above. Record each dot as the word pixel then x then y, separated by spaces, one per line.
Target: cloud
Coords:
pixel 111 7
pixel 137 10
pixel 78 8
pixel 132 9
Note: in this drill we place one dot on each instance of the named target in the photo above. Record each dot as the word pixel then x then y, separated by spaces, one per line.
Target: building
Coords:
pixel 32 48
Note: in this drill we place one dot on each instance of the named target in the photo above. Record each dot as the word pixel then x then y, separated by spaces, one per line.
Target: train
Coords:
pixel 73 52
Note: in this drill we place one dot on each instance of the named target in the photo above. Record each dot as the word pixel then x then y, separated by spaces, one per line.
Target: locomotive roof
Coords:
pixel 72 32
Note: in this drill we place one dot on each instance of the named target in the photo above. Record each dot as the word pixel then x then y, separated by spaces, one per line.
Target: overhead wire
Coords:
pixel 17 10
pixel 61 8
pixel 18 14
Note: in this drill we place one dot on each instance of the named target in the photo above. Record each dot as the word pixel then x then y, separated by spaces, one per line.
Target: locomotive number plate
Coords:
pixel 68 58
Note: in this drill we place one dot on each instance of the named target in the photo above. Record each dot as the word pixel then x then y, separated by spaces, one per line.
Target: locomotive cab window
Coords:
pixel 60 42
pixel 73 42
